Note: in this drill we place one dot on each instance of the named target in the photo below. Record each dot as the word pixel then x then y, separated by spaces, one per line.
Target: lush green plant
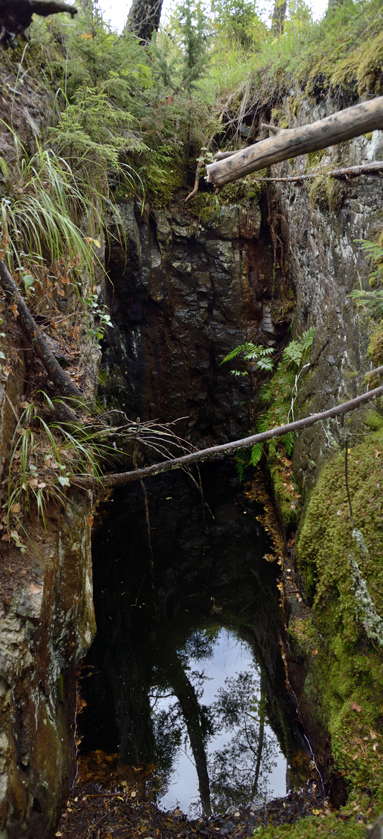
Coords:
pixel 297 351
pixel 42 197
pixel 238 21
pixel 371 300
pixel 46 455
pixel 253 353
pixel 100 314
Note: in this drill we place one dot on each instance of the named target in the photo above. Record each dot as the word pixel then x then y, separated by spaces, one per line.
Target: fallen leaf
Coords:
pixel 6 538
pixel 15 508
pixel 373 735
pixel 355 707
pixel 35 589
pixel 90 520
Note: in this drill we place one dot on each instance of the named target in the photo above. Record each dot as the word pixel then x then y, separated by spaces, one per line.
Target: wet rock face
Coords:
pixel 325 263
pixel 46 627
pixel 183 294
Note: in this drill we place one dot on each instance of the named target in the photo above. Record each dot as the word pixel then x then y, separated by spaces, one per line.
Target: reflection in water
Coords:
pixel 163 637
pixel 231 754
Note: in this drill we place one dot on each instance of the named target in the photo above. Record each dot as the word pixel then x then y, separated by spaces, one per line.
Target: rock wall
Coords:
pixel 321 223
pixel 183 293
pixel 47 624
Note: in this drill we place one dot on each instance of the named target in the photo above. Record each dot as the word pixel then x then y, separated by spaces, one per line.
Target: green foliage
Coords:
pixel 256 454
pixel 337 825
pixel 190 24
pixel 238 21
pixel 253 353
pixel 41 197
pixel 44 457
pixel 371 300
pixel 100 314
pixel 297 351
pixel 347 671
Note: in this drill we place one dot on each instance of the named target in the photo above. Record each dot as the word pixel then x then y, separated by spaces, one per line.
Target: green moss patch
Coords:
pixel 345 676
pixel 333 826
pixel 276 396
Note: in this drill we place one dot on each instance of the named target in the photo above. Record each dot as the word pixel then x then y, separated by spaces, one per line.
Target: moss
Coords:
pixel 204 206
pixel 314 158
pixel 245 189
pixel 375 347
pixel 322 824
pixel 327 193
pixel 370 69
pixel 347 672
pixel 285 491
pixel 276 396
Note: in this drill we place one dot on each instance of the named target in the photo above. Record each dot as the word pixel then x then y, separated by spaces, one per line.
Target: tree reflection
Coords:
pixel 188 711
pixel 239 770
pixel 236 772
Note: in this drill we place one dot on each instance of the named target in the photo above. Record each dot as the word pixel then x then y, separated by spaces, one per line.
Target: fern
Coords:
pixel 372 300
pixel 256 454
pixel 298 350
pixel 253 353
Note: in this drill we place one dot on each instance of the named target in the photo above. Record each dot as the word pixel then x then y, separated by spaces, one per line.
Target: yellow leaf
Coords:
pixel 316 812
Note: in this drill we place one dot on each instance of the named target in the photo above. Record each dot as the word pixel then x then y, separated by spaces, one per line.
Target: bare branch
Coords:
pixel 215 452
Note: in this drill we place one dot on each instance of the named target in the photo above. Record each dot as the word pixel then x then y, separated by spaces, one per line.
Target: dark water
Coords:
pixel 185 670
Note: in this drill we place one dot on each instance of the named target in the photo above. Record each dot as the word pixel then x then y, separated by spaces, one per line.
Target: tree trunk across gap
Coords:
pixel 291 142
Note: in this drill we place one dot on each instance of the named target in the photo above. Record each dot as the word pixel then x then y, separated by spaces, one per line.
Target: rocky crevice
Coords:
pixel 183 293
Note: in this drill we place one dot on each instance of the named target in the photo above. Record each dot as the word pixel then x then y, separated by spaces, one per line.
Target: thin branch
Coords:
pixel 58 376
pixel 342 174
pixel 272 128
pixel 215 452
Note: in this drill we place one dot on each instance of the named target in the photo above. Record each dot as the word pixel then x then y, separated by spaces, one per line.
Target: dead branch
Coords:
pixel 291 142
pixel 58 376
pixel 343 174
pixel 215 452
pixel 272 128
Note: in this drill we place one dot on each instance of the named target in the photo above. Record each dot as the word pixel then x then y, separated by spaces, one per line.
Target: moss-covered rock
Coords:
pixel 342 563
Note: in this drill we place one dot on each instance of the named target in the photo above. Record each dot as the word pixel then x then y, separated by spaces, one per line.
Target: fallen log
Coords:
pixel 291 142
pixel 215 452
